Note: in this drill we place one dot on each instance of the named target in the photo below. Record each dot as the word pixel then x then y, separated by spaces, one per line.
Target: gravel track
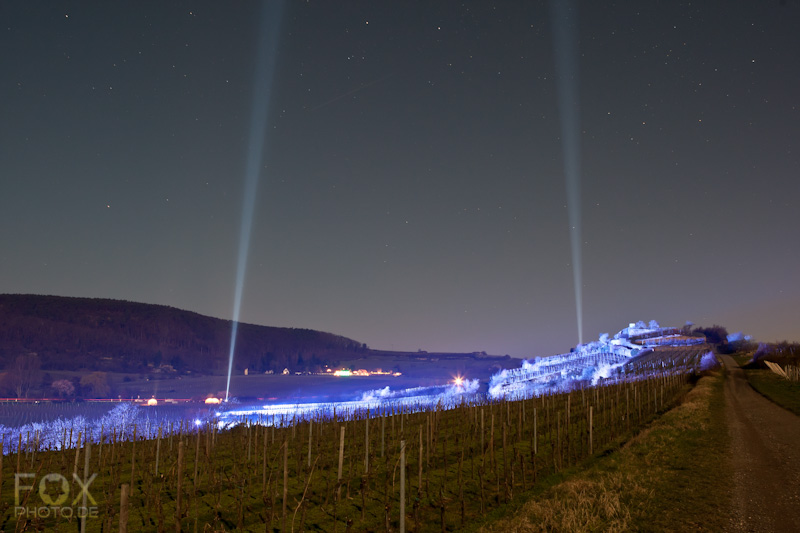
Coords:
pixel 765 443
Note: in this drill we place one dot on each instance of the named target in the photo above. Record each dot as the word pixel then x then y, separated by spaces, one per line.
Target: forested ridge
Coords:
pixel 122 336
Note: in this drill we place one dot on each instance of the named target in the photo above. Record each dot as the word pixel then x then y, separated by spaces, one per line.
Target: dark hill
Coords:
pixel 122 336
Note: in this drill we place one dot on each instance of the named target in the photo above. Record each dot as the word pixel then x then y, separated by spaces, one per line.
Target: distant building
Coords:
pixel 285 372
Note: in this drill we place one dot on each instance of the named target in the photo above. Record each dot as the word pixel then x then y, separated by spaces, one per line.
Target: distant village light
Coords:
pixel 363 372
pixel 212 400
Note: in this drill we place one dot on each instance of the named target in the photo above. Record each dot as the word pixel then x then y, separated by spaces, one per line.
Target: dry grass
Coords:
pixel 671 476
pixel 775 388
pixel 576 505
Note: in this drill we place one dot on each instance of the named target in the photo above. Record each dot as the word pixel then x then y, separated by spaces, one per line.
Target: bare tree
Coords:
pixel 25 373
pixel 64 388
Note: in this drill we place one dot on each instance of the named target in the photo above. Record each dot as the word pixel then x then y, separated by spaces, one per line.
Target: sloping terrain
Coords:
pixel 121 336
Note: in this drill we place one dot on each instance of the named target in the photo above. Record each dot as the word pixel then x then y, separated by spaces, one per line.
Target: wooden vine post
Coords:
pixel 402 486
pixel 341 463
pixel 196 460
pixel 158 450
pixel 366 446
pixel 133 455
pixel 310 429
pixel 483 452
pixel 86 459
pixel 179 491
pixel 419 490
pixel 123 508
pixel 285 480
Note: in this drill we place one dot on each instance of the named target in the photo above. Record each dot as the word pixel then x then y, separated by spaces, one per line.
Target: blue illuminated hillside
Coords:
pixel 601 360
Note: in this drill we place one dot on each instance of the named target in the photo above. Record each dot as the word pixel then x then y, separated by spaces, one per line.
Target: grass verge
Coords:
pixel 777 389
pixel 672 476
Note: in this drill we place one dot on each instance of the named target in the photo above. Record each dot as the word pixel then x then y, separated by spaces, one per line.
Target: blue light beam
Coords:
pixel 264 72
pixel 564 18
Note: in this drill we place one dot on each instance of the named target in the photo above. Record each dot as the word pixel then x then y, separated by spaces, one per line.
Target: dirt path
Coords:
pixel 766 458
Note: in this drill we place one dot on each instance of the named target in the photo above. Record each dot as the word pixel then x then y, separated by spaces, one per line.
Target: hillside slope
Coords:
pixel 122 336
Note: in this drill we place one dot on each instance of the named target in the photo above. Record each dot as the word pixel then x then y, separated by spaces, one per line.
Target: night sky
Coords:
pixel 412 192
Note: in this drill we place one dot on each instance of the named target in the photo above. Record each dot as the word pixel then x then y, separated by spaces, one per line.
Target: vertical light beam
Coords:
pixel 264 71
pixel 564 18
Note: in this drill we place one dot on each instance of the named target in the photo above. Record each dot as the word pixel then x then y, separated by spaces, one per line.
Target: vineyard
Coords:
pixel 395 468
pixel 13 414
